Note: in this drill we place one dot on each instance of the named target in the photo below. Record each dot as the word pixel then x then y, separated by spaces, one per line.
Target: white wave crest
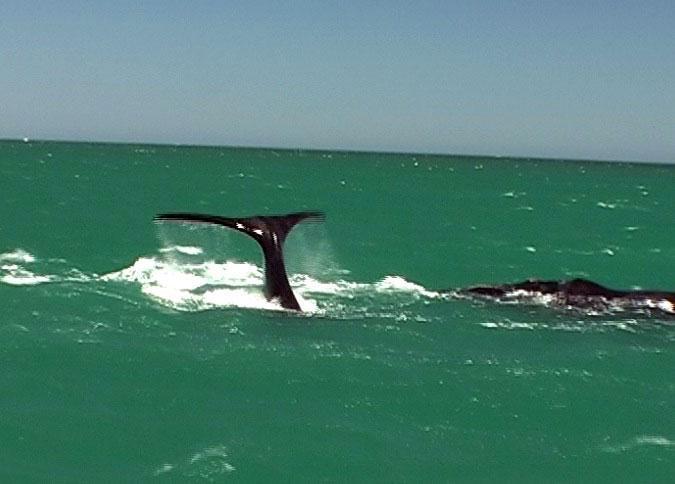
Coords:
pixel 21 268
pixel 18 255
pixel 657 440
pixel 183 249
pixel 399 284
pixel 18 276
pixel 14 273
pixel 641 441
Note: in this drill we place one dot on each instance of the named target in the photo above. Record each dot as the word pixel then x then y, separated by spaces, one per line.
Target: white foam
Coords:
pixel 662 304
pixel 666 306
pixel 18 276
pixel 207 464
pixel 218 298
pixel 13 270
pixel 212 285
pixel 507 324
pixel 641 441
pixel 183 249
pixel 534 296
pixel 152 271
pixel 207 285
pixel 654 440
pixel 17 255
pixel 307 284
pixel 163 469
pixel 399 284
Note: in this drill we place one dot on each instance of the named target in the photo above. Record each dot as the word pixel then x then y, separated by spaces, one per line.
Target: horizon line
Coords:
pixel 337 150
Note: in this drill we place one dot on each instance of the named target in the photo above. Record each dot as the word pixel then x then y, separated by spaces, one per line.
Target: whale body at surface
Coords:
pixel 580 293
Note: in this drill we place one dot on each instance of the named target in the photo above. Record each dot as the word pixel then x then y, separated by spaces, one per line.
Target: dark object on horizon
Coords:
pixel 270 232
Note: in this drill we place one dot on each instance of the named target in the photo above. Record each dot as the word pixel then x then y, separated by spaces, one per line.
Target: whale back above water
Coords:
pixel 577 293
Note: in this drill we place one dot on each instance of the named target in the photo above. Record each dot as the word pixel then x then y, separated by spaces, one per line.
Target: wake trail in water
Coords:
pixel 18 268
pixel 183 285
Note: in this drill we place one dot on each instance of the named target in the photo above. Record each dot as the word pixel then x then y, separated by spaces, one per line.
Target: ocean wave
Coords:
pixel 16 275
pixel 183 249
pixel 641 441
pixel 21 268
pixel 400 284
pixel 207 464
pixel 18 256
pixel 14 272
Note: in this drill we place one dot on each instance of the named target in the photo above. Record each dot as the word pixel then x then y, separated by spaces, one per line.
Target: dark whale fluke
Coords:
pixel 270 232
pixel 577 293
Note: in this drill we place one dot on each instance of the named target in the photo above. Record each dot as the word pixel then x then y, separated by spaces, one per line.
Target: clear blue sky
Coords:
pixel 570 79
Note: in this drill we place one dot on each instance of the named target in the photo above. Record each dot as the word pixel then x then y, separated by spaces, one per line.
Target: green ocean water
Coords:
pixel 138 352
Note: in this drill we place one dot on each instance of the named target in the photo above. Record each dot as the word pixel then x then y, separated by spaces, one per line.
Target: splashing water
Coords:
pixel 204 285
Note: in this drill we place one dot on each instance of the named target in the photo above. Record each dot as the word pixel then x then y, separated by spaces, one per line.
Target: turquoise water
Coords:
pixel 133 351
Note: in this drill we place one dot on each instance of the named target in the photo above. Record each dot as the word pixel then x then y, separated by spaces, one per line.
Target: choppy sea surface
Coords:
pixel 139 352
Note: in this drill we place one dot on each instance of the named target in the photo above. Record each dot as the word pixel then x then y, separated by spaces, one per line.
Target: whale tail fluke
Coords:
pixel 257 226
pixel 270 232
